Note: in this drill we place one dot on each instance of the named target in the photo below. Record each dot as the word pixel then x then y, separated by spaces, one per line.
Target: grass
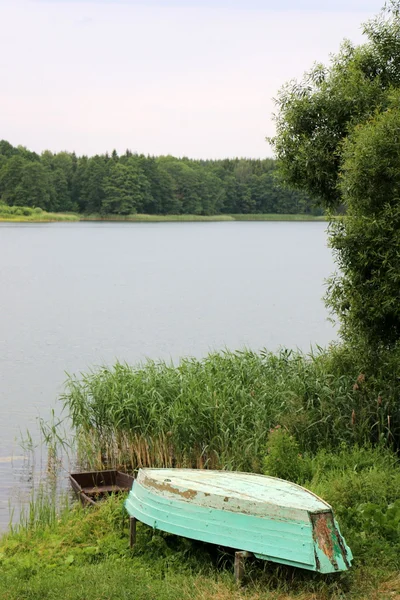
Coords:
pixel 84 553
pixel 37 215
pixel 178 218
pixel 327 420
pixel 155 218
pixel 279 217
pixel 26 214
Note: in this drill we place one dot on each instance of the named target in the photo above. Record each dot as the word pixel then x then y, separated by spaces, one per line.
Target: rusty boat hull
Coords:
pixel 270 518
pixel 90 487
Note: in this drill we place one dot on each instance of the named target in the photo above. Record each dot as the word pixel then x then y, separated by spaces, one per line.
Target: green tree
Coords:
pixel 212 193
pixel 35 188
pixel 165 193
pixel 79 178
pixel 126 189
pixel 365 293
pixel 186 185
pixel 92 193
pixel 337 139
pixel 60 169
pixel 61 192
pixel 316 114
pixel 26 183
pixel 10 178
pixel 6 149
pixel 161 197
pixel 158 185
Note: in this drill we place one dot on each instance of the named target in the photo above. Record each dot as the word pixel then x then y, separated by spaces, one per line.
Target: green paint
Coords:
pixel 266 516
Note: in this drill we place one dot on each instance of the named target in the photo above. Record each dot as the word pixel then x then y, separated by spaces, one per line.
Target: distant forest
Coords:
pixel 134 183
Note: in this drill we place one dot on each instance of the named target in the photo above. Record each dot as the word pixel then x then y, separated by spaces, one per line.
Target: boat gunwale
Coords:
pixel 84 498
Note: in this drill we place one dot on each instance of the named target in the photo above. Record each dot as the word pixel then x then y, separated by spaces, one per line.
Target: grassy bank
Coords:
pixel 155 218
pixel 186 218
pixel 279 217
pixel 23 214
pixel 28 215
pixel 327 421
pixel 84 553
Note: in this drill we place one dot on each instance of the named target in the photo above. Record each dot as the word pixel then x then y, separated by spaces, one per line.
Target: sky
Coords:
pixel 190 78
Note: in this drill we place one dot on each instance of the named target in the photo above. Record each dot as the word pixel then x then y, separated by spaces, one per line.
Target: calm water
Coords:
pixel 78 295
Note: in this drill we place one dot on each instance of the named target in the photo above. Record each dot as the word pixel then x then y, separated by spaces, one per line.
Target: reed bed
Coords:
pixel 198 218
pixel 138 217
pixel 217 412
pixel 278 217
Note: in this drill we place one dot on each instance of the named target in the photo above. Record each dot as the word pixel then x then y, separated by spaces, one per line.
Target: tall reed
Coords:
pixel 217 412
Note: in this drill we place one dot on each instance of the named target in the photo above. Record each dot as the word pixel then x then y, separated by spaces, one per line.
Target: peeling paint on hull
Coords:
pixel 274 519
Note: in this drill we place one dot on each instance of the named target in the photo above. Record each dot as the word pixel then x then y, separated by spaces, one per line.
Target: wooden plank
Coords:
pixel 240 565
pixel 102 489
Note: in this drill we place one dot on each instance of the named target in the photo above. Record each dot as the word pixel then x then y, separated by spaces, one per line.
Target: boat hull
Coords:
pixel 288 536
pixel 95 485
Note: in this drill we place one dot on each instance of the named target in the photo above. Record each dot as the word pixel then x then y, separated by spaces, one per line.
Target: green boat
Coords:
pixel 269 518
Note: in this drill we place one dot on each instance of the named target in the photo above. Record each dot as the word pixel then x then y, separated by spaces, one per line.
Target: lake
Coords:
pixel 77 295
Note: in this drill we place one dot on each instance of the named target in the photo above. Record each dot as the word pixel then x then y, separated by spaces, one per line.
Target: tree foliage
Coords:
pixel 366 294
pixel 338 139
pixel 133 183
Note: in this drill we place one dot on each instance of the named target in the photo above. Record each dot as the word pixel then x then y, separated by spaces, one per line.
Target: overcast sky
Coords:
pixel 184 77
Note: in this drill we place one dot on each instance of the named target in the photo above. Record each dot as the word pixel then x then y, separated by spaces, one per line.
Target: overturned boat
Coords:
pixel 267 517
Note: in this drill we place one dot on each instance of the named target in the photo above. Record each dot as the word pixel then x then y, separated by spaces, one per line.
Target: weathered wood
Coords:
pixel 132 531
pixel 94 485
pixel 240 565
pixel 273 519
pixel 103 489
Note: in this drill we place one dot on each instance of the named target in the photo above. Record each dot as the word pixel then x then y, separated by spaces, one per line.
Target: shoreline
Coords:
pixel 78 552
pixel 143 218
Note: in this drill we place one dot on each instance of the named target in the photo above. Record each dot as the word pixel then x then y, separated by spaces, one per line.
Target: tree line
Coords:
pixel 135 183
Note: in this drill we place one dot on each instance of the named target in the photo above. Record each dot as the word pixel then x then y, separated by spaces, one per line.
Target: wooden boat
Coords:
pixel 90 487
pixel 268 517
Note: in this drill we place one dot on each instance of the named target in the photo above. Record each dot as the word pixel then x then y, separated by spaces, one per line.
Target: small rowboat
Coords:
pixel 91 487
pixel 267 517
